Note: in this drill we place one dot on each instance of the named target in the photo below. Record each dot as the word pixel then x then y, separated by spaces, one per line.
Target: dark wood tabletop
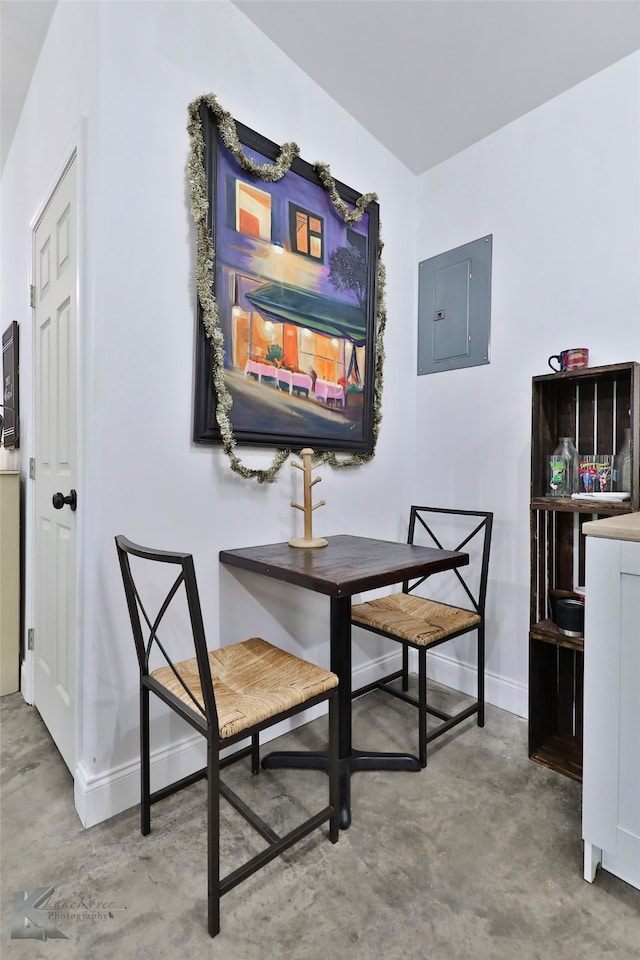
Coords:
pixel 347 565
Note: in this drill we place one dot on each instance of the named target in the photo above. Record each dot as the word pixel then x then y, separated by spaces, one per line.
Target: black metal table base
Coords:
pixel 357 761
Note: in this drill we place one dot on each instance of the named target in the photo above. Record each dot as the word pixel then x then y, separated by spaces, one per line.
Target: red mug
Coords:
pixel 575 359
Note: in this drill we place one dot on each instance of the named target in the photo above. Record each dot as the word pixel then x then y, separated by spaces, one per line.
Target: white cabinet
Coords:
pixel 611 765
pixel 9 581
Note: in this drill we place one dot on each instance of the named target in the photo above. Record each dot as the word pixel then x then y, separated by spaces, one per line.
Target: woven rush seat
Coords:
pixel 229 696
pixel 418 621
pixel 253 681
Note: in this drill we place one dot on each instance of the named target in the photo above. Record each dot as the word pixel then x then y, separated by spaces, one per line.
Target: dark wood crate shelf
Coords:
pixel 608 508
pixel 555 705
pixel 548 632
pixel 562 754
pixel 595 407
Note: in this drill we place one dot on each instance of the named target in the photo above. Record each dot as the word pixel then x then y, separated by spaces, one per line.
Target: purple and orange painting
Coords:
pixel 296 292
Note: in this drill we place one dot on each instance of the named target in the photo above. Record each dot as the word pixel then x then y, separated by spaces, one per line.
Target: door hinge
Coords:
pixel 32 295
pixel 30 633
pixel 32 468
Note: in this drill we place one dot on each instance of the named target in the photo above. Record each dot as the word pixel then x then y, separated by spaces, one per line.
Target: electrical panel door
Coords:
pixel 454 308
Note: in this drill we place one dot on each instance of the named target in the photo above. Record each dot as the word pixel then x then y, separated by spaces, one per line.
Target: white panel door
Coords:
pixel 55 467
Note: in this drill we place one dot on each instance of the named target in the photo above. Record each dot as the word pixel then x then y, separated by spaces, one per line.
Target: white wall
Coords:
pixel 62 96
pixel 141 473
pixel 62 91
pixel 559 189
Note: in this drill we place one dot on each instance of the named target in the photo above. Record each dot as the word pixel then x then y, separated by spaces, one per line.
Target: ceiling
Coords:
pixel 430 77
pixel 426 77
pixel 23 27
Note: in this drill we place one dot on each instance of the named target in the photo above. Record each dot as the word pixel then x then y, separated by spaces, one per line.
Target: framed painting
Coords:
pixel 295 289
pixel 10 411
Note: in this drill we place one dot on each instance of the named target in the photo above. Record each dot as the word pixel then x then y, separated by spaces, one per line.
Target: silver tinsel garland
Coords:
pixel 270 172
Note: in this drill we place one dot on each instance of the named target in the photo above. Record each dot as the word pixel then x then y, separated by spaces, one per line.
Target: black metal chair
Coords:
pixel 423 624
pixel 227 695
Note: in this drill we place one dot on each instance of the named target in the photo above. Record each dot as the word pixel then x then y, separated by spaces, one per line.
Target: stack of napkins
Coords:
pixel 601 496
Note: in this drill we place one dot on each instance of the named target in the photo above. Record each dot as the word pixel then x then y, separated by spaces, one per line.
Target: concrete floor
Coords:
pixel 477 856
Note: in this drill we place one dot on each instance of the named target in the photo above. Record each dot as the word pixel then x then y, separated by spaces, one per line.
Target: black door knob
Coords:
pixel 59 500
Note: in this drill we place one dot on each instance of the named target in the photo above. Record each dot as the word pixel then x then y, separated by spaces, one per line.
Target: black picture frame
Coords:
pixel 10 410
pixel 296 293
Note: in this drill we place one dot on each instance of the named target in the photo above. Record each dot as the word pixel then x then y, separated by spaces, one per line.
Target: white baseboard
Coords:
pixel 26 683
pixel 101 796
pixel 498 691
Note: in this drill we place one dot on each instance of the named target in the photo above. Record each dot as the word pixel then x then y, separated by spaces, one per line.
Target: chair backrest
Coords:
pixel 450 529
pixel 147 641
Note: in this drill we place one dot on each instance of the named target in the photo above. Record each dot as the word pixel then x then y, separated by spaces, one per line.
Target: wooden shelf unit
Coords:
pixel 594 406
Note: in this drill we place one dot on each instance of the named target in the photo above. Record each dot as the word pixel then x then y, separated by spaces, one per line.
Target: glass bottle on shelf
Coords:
pixel 564 469
pixel 623 464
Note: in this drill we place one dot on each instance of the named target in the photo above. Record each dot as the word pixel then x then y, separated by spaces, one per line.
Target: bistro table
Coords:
pixel 346 566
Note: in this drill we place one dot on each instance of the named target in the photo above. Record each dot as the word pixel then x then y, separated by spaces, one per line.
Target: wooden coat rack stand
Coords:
pixel 307 466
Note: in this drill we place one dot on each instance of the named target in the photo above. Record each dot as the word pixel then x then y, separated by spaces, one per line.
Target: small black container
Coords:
pixel 570 617
pixel 556 595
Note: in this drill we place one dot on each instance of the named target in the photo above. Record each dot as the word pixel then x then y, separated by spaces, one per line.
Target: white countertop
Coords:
pixel 623 527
